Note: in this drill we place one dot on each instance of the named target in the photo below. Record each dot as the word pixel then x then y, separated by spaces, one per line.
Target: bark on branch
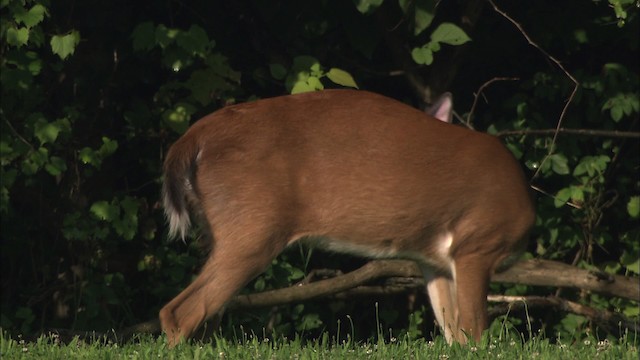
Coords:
pixel 608 320
pixel 531 272
pixel 369 272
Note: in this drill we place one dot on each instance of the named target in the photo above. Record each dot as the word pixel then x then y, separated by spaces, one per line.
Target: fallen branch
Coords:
pixel 404 275
pixel 531 272
pixel 369 272
pixel 557 274
pixel 608 320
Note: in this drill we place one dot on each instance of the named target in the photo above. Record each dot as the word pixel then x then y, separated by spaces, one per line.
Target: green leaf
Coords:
pixel 260 284
pixel 559 164
pixel 449 33
pixel 95 157
pixel 315 83
pixel 35 160
pixel 144 36
pixel 303 68
pixel 127 226
pixel 302 87
pixel 178 118
pixel 25 313
pixel 108 147
pixel 631 311
pixel 341 77
pixel 46 132
pixel 622 104
pixel 309 321
pixel 195 41
pixel 516 150
pixel 616 113
pixel 434 46
pixel 89 156
pixel 204 84
pixel 422 55
pixel 17 37
pixel 217 78
pixel 367 6
pixel 56 166
pixel 65 45
pixel 278 71
pixel 105 211
pixel 591 165
pixel 15 79
pixel 165 36
pixel 31 18
pixel 129 205
pixel 562 197
pixel 305 63
pixel 220 65
pixel 425 12
pixel 577 194
pixel 631 261
pixel 633 207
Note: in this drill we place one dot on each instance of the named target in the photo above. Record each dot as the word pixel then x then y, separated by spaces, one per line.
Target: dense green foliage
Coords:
pixel 94 92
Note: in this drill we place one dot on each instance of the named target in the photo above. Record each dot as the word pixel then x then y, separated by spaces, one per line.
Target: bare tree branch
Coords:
pixel 559 65
pixel 479 92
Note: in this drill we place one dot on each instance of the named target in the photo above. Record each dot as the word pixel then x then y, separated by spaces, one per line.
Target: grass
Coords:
pixel 148 347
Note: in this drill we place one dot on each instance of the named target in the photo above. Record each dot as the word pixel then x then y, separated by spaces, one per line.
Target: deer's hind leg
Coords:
pixel 245 241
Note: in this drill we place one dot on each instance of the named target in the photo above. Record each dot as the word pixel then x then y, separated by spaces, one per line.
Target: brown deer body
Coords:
pixel 358 172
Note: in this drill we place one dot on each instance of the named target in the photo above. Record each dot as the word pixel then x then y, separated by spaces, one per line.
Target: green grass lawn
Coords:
pixel 148 347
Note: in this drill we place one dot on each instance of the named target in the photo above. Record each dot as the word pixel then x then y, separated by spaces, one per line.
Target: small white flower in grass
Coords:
pixel 603 345
pixel 25 349
pixel 473 348
pixel 587 342
pixel 512 343
pixel 444 356
pixel 430 343
pixel 492 346
pixel 393 339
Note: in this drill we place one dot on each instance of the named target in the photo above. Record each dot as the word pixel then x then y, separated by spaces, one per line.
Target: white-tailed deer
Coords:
pixel 357 172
